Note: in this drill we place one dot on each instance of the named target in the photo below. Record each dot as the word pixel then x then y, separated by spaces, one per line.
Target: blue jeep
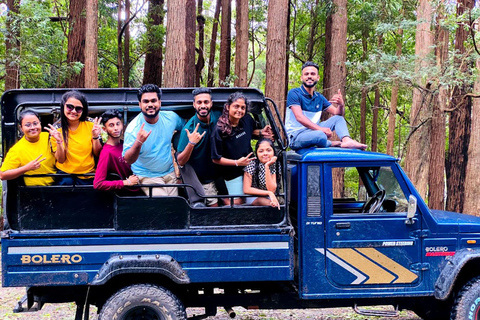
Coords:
pixel 351 231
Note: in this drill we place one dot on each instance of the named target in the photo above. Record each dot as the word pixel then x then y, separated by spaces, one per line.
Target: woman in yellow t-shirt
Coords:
pixel 78 140
pixel 31 155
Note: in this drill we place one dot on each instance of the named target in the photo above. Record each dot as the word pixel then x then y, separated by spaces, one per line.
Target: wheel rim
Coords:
pixel 143 312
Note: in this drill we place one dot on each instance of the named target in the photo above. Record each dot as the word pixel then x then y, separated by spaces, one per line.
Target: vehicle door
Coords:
pixel 373 250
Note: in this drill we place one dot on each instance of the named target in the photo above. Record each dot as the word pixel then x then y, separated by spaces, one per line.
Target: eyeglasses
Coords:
pixel 31 124
pixel 70 108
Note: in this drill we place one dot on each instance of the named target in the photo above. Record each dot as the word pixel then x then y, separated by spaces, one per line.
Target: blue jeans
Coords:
pixel 307 138
pixel 69 180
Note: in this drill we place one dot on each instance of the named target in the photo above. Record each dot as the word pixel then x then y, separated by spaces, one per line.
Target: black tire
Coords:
pixel 467 302
pixel 143 301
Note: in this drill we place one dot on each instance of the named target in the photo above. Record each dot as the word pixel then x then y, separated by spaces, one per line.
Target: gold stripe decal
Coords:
pixel 404 275
pixel 374 272
pixel 378 268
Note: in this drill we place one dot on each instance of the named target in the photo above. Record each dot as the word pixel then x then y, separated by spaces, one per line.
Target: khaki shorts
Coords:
pixel 210 190
pixel 170 178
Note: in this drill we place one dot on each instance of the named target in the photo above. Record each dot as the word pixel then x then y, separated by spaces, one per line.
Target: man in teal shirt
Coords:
pixel 194 144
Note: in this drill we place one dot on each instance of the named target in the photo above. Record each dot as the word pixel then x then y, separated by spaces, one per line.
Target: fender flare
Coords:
pixel 449 275
pixel 141 264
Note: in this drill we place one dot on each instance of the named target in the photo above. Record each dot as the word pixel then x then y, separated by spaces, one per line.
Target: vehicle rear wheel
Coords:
pixel 143 301
pixel 467 302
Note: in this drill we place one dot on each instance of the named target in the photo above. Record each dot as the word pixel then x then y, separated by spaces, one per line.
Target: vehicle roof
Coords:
pixel 336 155
pixel 172 98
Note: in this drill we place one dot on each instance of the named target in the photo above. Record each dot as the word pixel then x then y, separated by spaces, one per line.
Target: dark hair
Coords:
pixel 110 114
pixel 149 88
pixel 257 162
pixel 63 119
pixel 224 121
pixel 310 64
pixel 201 90
pixel 27 112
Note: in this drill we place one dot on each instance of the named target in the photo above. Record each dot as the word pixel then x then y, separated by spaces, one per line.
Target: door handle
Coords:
pixel 342 225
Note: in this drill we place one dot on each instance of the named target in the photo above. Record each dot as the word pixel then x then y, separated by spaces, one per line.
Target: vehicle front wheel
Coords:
pixel 143 301
pixel 467 302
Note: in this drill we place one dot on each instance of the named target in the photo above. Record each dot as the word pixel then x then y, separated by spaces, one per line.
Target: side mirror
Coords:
pixel 412 209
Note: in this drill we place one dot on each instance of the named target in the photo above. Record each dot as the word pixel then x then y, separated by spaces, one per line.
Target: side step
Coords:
pixel 377 313
pixel 22 305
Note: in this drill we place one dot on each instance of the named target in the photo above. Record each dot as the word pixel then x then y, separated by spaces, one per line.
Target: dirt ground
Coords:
pixel 10 296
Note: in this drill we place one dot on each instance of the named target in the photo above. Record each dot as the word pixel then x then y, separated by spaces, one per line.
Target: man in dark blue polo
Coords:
pixel 304 110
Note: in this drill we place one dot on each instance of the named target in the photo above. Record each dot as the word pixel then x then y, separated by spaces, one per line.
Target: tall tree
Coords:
pixel 119 44
pixel 472 178
pixel 436 178
pixel 225 43
pixel 76 42
pixel 126 45
pixel 392 115
pixel 91 46
pixel 241 44
pixel 213 45
pixel 417 160
pixel 153 60
pixel 277 52
pixel 180 45
pixel 12 46
pixel 201 43
pixel 460 120
pixel 334 74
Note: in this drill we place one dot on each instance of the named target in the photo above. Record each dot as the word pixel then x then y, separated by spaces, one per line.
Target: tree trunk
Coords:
pixel 376 107
pixel 213 45
pixel 126 46
pixel 363 100
pixel 179 60
pixel 76 42
pixel 334 74
pixel 119 45
pixel 91 46
pixel 241 44
pixel 472 178
pixel 417 159
pixel 363 115
pixel 12 48
pixel 392 115
pixel 313 30
pixel 201 43
pixel 436 178
pixel 225 43
pixel 276 52
pixel 459 123
pixel 152 72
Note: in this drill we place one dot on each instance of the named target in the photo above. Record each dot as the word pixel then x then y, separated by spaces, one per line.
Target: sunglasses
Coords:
pixel 70 108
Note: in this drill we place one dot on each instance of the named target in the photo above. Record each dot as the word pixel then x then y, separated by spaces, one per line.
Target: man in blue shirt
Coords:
pixel 147 145
pixel 194 143
pixel 304 110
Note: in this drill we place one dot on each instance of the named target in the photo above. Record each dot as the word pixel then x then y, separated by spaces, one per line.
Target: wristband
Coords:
pixel 139 141
pixel 192 142
pixel 236 164
pixel 97 137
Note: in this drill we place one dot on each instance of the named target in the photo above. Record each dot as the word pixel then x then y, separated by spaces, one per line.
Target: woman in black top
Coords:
pixel 231 142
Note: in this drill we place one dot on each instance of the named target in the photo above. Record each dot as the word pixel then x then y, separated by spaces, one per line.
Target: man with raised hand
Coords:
pixel 194 144
pixel 304 110
pixel 147 146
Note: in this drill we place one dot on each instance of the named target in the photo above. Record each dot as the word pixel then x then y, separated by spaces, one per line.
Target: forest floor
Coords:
pixel 66 311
